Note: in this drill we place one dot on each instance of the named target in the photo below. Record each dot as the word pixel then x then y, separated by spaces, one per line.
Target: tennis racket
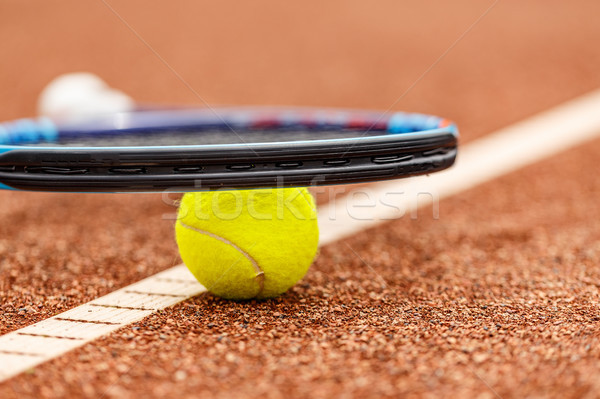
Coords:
pixel 207 149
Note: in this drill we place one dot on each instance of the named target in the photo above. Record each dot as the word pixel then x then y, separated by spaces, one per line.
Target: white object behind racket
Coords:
pixel 81 94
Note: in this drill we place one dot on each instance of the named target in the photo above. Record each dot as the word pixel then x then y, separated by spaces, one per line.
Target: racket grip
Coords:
pixel 23 131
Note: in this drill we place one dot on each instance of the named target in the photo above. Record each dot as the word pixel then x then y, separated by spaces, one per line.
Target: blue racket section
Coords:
pixel 24 131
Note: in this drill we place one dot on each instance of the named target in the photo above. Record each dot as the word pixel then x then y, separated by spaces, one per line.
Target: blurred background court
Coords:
pixel 496 298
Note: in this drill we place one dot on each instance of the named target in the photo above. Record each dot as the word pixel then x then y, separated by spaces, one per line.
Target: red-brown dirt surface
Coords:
pixel 496 298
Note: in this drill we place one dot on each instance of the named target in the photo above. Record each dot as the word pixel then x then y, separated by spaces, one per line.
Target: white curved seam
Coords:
pixel 257 268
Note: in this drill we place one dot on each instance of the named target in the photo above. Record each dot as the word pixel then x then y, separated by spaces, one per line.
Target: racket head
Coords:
pixel 216 148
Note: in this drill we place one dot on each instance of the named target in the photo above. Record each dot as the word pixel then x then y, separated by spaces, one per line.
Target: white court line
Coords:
pixel 26 348
pixel 494 155
pixel 507 150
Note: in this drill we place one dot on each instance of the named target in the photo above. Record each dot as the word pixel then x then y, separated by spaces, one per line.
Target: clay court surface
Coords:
pixel 498 297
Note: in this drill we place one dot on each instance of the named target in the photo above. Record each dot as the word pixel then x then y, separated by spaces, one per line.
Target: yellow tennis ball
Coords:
pixel 248 243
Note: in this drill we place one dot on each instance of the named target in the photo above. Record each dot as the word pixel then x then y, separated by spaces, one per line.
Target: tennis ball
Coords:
pixel 248 243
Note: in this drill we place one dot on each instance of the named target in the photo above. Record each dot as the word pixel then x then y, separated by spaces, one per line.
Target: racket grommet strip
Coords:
pixel 149 150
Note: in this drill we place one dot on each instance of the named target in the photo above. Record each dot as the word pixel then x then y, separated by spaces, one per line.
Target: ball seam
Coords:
pixel 260 274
